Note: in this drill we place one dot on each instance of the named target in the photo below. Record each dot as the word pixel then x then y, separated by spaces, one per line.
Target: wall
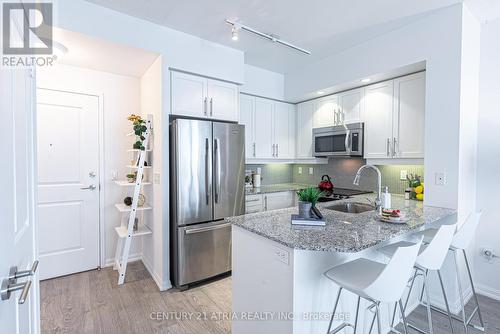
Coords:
pixel 273 173
pixel 112 88
pixel 488 183
pixel 261 82
pixel 151 104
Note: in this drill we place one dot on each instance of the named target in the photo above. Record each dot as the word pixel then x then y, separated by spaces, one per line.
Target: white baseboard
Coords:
pixel 131 258
pixel 162 285
pixel 488 291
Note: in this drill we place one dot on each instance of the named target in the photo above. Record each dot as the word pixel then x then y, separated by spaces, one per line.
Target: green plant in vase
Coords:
pixel 139 126
pixel 307 200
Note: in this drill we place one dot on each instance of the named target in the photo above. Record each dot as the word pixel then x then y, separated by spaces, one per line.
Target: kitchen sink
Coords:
pixel 351 207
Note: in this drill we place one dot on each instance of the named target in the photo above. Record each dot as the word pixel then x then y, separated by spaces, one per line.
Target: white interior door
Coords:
pixel 17 198
pixel 68 182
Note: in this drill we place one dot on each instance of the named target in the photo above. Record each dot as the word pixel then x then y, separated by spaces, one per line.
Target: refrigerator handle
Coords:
pixel 217 169
pixel 207 171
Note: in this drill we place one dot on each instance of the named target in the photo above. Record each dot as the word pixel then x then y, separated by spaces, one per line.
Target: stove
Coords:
pixel 337 194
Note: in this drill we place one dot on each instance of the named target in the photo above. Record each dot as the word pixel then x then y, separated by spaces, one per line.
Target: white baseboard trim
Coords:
pixel 488 291
pixel 131 258
pixel 162 285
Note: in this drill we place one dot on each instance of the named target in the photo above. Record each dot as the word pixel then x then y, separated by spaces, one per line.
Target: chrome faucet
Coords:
pixel 378 200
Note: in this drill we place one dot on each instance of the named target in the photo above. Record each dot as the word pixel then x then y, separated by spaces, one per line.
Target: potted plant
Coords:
pixel 307 200
pixel 131 177
pixel 139 129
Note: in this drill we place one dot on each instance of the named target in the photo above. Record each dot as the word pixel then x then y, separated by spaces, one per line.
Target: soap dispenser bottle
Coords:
pixel 386 198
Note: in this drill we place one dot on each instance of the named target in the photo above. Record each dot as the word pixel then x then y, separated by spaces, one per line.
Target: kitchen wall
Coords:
pixel 342 172
pixel 273 173
pixel 261 82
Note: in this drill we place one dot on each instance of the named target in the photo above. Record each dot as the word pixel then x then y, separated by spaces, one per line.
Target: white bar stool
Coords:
pixel 430 257
pixel 460 242
pixel 374 281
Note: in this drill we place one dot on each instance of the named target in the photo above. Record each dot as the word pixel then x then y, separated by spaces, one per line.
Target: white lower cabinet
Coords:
pixel 271 201
pixel 279 200
pixel 270 128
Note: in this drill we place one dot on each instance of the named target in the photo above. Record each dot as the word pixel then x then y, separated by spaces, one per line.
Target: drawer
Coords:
pixel 253 209
pixel 253 199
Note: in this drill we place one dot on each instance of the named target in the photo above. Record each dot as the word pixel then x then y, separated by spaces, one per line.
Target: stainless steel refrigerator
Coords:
pixel 207 172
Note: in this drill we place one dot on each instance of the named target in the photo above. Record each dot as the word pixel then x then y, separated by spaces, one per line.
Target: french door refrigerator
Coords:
pixel 207 172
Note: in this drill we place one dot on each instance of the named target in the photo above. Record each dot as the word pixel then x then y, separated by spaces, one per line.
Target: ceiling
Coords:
pixel 96 54
pixel 322 26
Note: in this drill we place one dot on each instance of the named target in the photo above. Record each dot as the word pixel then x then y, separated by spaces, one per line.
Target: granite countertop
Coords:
pixel 343 232
pixel 274 188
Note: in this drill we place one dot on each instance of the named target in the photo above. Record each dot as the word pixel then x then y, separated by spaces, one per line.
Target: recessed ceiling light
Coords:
pixel 319 92
pixel 366 80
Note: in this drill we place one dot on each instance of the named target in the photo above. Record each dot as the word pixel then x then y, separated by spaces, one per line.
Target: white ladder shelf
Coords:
pixel 126 231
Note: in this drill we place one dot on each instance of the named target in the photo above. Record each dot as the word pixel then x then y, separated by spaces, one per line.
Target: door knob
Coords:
pixel 10 284
pixel 91 187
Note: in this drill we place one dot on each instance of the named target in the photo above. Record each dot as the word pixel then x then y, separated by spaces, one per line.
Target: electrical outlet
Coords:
pixel 259 170
pixel 311 171
pixel 300 170
pixel 114 174
pixel 282 255
pixel 440 179
pixel 403 174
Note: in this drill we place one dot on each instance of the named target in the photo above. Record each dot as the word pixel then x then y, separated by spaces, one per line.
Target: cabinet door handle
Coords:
pixel 265 203
pixel 394 151
pixel 254 149
pixel 388 147
pixel 277 150
pixel 334 116
pixel 211 107
pixel 273 150
pixel 205 106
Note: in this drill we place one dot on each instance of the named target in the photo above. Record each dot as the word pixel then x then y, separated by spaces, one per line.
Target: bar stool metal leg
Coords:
pixel 402 310
pixel 334 309
pixel 379 325
pixel 446 301
pixel 461 293
pixel 427 293
pixel 475 296
pixel 357 314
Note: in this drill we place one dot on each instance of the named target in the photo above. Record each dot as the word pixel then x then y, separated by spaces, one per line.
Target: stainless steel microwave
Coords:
pixel 339 141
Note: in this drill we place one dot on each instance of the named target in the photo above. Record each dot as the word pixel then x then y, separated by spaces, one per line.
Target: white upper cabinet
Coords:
pixel 350 105
pixel 200 97
pixel 409 116
pixel 189 95
pixel 247 118
pixel 264 145
pixel 284 130
pixel 378 115
pixel 305 115
pixel 223 100
pixel 270 128
pixel 394 118
pixel 327 112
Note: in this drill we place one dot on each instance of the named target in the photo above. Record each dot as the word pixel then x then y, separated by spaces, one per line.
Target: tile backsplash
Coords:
pixel 341 171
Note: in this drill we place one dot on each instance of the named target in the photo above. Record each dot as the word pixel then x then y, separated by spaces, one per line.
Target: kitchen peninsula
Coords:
pixel 278 268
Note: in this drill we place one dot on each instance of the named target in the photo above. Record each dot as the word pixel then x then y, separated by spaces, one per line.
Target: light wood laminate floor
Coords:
pixel 92 302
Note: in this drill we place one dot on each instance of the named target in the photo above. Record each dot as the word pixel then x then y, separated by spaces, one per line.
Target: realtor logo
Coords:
pixel 27 34
pixel 27 28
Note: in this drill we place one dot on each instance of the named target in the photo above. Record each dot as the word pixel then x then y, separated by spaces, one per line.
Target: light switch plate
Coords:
pixel 114 174
pixel 259 170
pixel 282 255
pixel 300 170
pixel 403 174
pixel 156 178
pixel 311 171
pixel 440 179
